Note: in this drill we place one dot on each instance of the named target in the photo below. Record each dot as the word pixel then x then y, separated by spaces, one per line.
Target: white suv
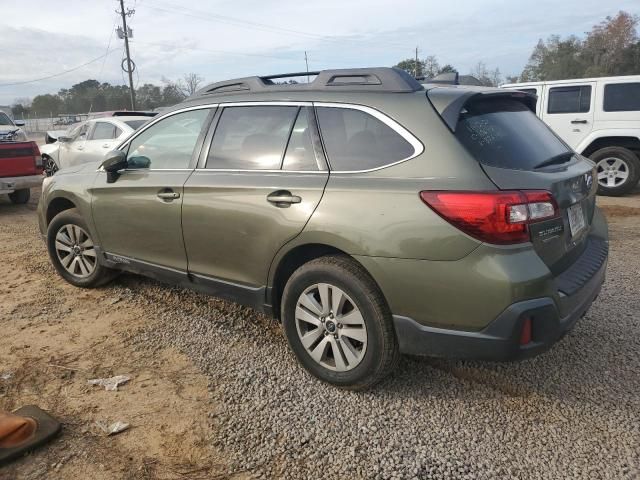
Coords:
pixel 600 119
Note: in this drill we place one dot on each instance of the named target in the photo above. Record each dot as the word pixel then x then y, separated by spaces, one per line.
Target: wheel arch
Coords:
pixel 58 205
pixel 629 142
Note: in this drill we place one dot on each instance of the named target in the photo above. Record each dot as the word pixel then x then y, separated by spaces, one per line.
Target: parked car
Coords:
pixel 20 161
pixel 372 216
pixel 600 119
pixel 88 141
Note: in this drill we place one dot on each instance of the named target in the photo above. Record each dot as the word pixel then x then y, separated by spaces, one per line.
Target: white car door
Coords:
pixel 70 151
pixel 102 138
pixel 568 110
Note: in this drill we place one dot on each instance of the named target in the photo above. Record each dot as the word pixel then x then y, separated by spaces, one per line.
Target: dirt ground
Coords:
pixel 56 337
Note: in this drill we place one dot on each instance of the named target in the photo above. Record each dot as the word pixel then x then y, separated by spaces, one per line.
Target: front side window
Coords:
pixel 356 140
pixel 622 97
pixel 5 120
pixel 251 138
pixel 570 99
pixel 169 143
pixel 103 131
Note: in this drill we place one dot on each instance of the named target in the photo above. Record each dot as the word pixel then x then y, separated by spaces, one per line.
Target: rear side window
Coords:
pixel 251 138
pixel 356 140
pixel 505 133
pixel 530 91
pixel 103 131
pixel 135 124
pixel 622 97
pixel 300 155
pixel 570 99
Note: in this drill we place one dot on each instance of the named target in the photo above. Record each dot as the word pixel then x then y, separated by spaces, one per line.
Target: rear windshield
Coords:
pixel 136 124
pixel 505 133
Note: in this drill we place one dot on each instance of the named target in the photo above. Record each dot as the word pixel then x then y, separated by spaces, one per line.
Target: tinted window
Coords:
pixel 505 133
pixel 300 155
pixel 622 97
pixel 531 91
pixel 251 138
pixel 5 120
pixel 136 124
pixel 103 131
pixel 355 140
pixel 168 143
pixel 570 99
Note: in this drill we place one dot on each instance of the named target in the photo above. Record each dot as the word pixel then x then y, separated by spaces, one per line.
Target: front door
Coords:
pixel 568 110
pixel 102 138
pixel 263 177
pixel 138 217
pixel 70 151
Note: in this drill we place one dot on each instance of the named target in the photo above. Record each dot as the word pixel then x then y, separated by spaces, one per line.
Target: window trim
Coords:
pixel 577 85
pixel 418 146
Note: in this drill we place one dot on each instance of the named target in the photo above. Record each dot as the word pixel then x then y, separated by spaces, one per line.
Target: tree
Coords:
pixel 47 105
pixel 488 78
pixel 448 68
pixel 149 97
pixel 431 66
pixel 190 83
pixel 410 66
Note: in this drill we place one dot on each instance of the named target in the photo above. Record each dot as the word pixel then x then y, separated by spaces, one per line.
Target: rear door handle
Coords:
pixel 168 195
pixel 283 198
pixel 106 145
pixel 579 121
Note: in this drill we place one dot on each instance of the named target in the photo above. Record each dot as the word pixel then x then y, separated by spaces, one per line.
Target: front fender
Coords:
pixel 609 132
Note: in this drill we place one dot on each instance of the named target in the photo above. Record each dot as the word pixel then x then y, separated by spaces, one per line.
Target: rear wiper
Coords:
pixel 556 160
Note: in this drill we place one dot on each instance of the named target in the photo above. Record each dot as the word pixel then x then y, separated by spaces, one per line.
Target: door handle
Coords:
pixel 579 121
pixel 106 145
pixel 168 195
pixel 283 198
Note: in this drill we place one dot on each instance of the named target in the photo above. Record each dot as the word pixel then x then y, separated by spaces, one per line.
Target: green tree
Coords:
pixel 410 66
pixel 448 68
pixel 45 105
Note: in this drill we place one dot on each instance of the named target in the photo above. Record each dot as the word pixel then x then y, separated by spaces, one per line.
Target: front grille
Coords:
pixel 578 274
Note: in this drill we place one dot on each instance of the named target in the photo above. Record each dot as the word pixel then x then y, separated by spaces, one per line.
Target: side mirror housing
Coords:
pixel 114 162
pixel 64 139
pixel 19 123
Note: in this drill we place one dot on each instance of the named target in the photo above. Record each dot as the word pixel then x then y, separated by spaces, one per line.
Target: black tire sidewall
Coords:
pixel 72 217
pixel 20 197
pixel 632 161
pixel 374 318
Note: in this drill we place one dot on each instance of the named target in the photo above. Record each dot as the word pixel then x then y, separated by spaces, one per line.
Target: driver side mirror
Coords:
pixel 64 139
pixel 115 162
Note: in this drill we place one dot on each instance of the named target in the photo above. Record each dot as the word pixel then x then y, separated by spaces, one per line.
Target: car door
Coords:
pixel 70 151
pixel 568 110
pixel 262 175
pixel 102 138
pixel 138 217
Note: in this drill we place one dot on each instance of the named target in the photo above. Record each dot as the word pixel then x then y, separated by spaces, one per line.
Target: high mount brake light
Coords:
pixel 500 217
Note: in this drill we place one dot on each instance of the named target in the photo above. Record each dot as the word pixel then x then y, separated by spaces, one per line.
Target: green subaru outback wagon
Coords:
pixel 372 215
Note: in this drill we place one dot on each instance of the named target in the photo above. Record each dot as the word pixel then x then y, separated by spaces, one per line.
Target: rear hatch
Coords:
pixel 19 159
pixel 519 152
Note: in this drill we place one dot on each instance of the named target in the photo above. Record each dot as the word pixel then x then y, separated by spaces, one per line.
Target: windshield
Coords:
pixel 136 124
pixel 505 133
pixel 5 120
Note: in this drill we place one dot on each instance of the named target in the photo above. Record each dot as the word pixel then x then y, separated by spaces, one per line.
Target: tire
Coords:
pixel 68 237
pixel 361 364
pixel 50 166
pixel 20 197
pixel 618 170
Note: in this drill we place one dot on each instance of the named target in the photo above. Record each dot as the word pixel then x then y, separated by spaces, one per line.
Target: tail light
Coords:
pixel 500 217
pixel 37 157
pixel 525 333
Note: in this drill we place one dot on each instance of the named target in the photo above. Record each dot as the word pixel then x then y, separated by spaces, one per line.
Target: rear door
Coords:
pixel 517 151
pixel 568 110
pixel 260 179
pixel 102 138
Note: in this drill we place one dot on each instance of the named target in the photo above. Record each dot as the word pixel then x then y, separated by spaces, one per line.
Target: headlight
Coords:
pixel 17 136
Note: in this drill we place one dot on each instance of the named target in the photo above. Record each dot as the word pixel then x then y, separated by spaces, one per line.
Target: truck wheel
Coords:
pixel 73 253
pixel 618 170
pixel 20 197
pixel 338 323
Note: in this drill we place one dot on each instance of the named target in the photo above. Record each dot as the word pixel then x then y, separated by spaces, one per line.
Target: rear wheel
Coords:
pixel 73 251
pixel 618 170
pixel 338 323
pixel 20 197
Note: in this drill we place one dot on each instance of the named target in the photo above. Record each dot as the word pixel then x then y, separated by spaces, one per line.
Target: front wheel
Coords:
pixel 338 323
pixel 73 251
pixel 618 170
pixel 50 166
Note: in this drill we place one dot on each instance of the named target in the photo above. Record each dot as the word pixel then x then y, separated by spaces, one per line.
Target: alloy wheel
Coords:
pixel 331 327
pixel 612 172
pixel 76 251
pixel 50 166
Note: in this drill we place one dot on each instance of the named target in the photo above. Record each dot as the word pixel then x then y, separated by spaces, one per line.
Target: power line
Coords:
pixel 198 49
pixel 60 73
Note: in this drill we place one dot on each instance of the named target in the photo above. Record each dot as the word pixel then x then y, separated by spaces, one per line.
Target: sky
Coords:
pixel 222 39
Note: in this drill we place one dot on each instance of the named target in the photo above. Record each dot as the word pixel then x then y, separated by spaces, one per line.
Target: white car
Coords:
pixel 10 130
pixel 600 119
pixel 88 141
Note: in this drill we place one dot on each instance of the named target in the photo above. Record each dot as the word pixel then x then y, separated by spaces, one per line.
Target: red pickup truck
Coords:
pixel 20 162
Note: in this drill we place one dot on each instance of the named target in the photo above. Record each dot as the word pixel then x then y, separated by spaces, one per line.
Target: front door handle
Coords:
pixel 106 145
pixel 283 198
pixel 168 195
pixel 578 121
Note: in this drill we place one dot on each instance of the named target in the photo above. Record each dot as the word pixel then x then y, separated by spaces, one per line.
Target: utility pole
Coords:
pixel 306 61
pixel 130 65
pixel 415 68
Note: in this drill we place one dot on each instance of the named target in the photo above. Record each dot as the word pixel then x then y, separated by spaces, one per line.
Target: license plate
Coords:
pixel 576 219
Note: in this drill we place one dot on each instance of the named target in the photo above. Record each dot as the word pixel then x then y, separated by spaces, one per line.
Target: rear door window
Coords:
pixel 574 99
pixel 355 140
pixel 622 97
pixel 505 133
pixel 103 131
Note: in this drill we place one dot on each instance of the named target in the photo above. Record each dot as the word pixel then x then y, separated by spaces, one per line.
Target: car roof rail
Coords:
pixel 379 79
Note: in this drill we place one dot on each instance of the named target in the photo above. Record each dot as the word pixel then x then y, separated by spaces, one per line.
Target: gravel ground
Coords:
pixel 573 412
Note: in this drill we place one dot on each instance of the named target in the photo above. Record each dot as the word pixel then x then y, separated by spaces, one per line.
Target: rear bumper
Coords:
pixel 500 340
pixel 11 184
